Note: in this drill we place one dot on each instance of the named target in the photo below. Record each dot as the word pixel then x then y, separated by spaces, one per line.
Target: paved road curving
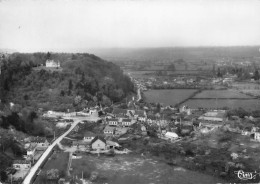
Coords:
pixel 33 170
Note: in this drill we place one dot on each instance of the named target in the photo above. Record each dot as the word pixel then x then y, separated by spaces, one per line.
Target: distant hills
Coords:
pixel 9 51
pixel 173 53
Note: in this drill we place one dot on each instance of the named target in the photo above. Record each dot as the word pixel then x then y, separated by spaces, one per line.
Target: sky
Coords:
pixel 75 25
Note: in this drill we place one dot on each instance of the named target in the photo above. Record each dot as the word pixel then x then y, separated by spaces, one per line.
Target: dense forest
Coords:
pixel 84 79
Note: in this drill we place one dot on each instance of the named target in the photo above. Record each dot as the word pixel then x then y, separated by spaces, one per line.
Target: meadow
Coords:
pixel 58 160
pixel 221 94
pixel 250 104
pixel 130 169
pixel 205 99
pixel 168 96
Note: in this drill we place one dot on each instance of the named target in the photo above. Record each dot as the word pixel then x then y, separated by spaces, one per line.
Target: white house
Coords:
pixel 109 130
pixel 98 143
pixel 21 164
pixel 215 115
pixel 31 150
pixel 126 122
pixel 171 135
pixel 52 63
pixel 257 136
pixel 112 122
pixel 88 136
pixel 41 142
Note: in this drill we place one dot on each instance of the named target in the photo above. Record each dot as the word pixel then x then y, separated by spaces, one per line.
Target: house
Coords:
pixel 118 111
pixel 246 131
pixel 52 63
pixel 171 135
pixel 151 119
pixel 185 109
pixel 98 143
pixel 112 145
pixel 257 136
pixel 126 122
pixel 31 150
pixel 88 136
pixel 141 118
pixel 21 164
pixel 112 122
pixel 215 115
pixel 81 144
pixel 41 142
pixel 140 113
pixel 109 130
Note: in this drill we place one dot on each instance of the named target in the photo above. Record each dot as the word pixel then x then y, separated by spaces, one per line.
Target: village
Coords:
pixel 112 127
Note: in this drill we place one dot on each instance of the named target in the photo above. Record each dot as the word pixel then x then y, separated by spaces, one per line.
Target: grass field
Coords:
pixel 129 169
pixel 221 94
pixel 250 104
pixel 58 160
pixel 168 97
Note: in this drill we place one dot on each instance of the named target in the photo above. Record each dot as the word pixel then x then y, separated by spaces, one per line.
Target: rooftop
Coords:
pixel 98 138
pixel 21 162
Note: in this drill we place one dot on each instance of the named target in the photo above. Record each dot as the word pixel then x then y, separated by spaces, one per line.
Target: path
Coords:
pixel 139 94
pixel 33 170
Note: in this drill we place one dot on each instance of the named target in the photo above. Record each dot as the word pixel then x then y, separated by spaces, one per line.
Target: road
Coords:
pixel 33 170
pixel 139 94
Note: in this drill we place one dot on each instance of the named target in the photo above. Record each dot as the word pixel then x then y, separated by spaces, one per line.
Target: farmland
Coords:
pixel 252 104
pixel 205 99
pixel 130 169
pixel 168 97
pixel 58 160
pixel 221 94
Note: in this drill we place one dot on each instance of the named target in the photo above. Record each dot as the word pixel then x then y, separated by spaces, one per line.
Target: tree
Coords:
pixel 52 174
pixel 48 56
pixel 172 67
pixel 219 74
pixel 256 75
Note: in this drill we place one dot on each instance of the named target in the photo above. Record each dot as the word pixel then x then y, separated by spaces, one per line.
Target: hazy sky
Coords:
pixel 68 25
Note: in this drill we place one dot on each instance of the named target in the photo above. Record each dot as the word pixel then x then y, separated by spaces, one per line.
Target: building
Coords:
pixel 88 136
pixel 21 164
pixel 126 122
pixel 140 113
pixel 171 135
pixel 98 143
pixel 81 144
pixel 52 64
pixel 112 122
pixel 257 136
pixel 41 142
pixel 31 150
pixel 215 115
pixel 109 130
pixel 118 111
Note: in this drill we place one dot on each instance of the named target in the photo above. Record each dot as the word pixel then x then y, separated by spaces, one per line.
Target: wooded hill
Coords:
pixel 84 79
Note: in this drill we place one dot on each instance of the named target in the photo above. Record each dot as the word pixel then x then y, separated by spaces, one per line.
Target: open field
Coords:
pixel 130 169
pixel 250 104
pixel 58 160
pixel 168 97
pixel 221 94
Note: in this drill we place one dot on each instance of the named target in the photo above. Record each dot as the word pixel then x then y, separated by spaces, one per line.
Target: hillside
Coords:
pixel 85 79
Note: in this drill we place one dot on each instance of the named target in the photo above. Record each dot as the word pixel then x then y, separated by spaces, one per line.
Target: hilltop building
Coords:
pixel 52 64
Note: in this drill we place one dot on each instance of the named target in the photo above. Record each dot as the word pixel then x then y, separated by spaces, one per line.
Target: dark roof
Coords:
pixel 38 139
pixel 89 134
pixel 21 162
pixel 126 120
pixel 98 137
pixel 119 111
pixel 139 112
pixel 114 119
